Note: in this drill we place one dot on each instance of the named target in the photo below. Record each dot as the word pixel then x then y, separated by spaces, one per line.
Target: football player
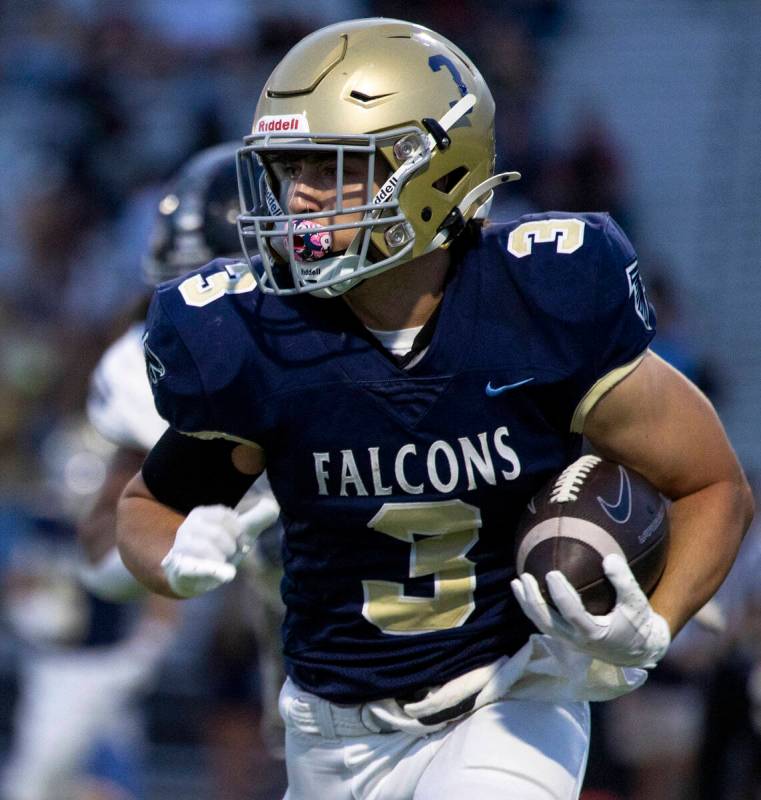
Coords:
pixel 410 377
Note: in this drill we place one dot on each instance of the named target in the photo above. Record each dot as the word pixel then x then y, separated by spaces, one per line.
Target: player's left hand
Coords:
pixel 210 544
pixel 633 634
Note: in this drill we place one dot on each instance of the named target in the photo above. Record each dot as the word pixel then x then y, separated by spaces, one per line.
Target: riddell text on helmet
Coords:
pixel 289 122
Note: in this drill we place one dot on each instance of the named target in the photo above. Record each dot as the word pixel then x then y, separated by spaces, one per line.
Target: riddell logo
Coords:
pixel 289 122
pixel 386 190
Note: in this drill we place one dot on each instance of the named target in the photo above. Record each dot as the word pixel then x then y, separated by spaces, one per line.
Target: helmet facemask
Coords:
pixel 289 241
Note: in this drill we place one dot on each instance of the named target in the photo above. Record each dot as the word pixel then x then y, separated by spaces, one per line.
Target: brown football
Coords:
pixel 593 508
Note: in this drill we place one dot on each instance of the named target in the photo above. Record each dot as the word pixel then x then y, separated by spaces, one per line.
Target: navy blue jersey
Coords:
pixel 401 488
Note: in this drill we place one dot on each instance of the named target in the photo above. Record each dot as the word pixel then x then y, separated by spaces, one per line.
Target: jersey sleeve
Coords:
pixel 624 323
pixel 174 378
pixel 625 318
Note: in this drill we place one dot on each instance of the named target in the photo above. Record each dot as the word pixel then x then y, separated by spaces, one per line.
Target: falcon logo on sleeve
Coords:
pixel 155 369
pixel 637 290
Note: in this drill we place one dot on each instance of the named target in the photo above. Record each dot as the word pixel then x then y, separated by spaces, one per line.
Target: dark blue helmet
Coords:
pixel 196 220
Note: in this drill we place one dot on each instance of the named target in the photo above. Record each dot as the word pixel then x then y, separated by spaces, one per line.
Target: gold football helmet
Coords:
pixel 416 108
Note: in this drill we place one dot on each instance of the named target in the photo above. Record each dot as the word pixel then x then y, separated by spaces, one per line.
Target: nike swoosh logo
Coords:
pixel 621 510
pixel 492 391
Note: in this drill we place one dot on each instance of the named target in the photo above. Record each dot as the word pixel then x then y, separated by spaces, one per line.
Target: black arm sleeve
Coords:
pixel 184 472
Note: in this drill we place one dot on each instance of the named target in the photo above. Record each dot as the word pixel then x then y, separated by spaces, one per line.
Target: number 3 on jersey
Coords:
pixel 449 529
pixel 199 291
pixel 567 234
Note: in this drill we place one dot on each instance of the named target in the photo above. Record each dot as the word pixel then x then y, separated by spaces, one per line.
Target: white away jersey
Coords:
pixel 120 403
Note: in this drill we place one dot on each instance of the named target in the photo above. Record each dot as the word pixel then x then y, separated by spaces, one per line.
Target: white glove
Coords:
pixel 262 515
pixel 210 543
pixel 631 635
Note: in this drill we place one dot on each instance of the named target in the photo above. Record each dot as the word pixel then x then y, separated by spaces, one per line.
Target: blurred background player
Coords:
pixel 77 714
pixel 195 224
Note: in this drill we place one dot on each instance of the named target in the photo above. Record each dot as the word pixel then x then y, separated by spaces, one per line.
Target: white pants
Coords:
pixel 508 750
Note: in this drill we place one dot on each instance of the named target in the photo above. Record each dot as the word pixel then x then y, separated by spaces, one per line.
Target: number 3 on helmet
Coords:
pixel 408 99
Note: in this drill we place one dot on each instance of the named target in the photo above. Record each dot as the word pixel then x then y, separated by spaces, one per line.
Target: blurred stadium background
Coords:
pixel 648 109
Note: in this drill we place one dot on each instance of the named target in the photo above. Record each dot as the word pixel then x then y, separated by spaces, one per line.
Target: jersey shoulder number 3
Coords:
pixel 566 233
pixel 201 289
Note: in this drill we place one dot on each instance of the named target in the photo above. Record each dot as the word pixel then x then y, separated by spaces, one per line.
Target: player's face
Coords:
pixel 309 184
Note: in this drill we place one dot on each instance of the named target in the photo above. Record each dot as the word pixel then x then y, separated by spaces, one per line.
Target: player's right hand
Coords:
pixel 202 554
pixel 633 634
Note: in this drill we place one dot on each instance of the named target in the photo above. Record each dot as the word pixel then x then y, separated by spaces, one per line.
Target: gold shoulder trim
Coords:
pixel 220 435
pixel 601 387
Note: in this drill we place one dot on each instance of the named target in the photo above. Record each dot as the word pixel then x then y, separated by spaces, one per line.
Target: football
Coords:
pixel 593 508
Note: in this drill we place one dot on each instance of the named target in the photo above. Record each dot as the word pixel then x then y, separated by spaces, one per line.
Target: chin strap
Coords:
pixel 458 110
pixel 455 219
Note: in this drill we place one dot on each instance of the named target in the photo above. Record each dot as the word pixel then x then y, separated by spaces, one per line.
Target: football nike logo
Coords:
pixel 621 510
pixel 493 391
